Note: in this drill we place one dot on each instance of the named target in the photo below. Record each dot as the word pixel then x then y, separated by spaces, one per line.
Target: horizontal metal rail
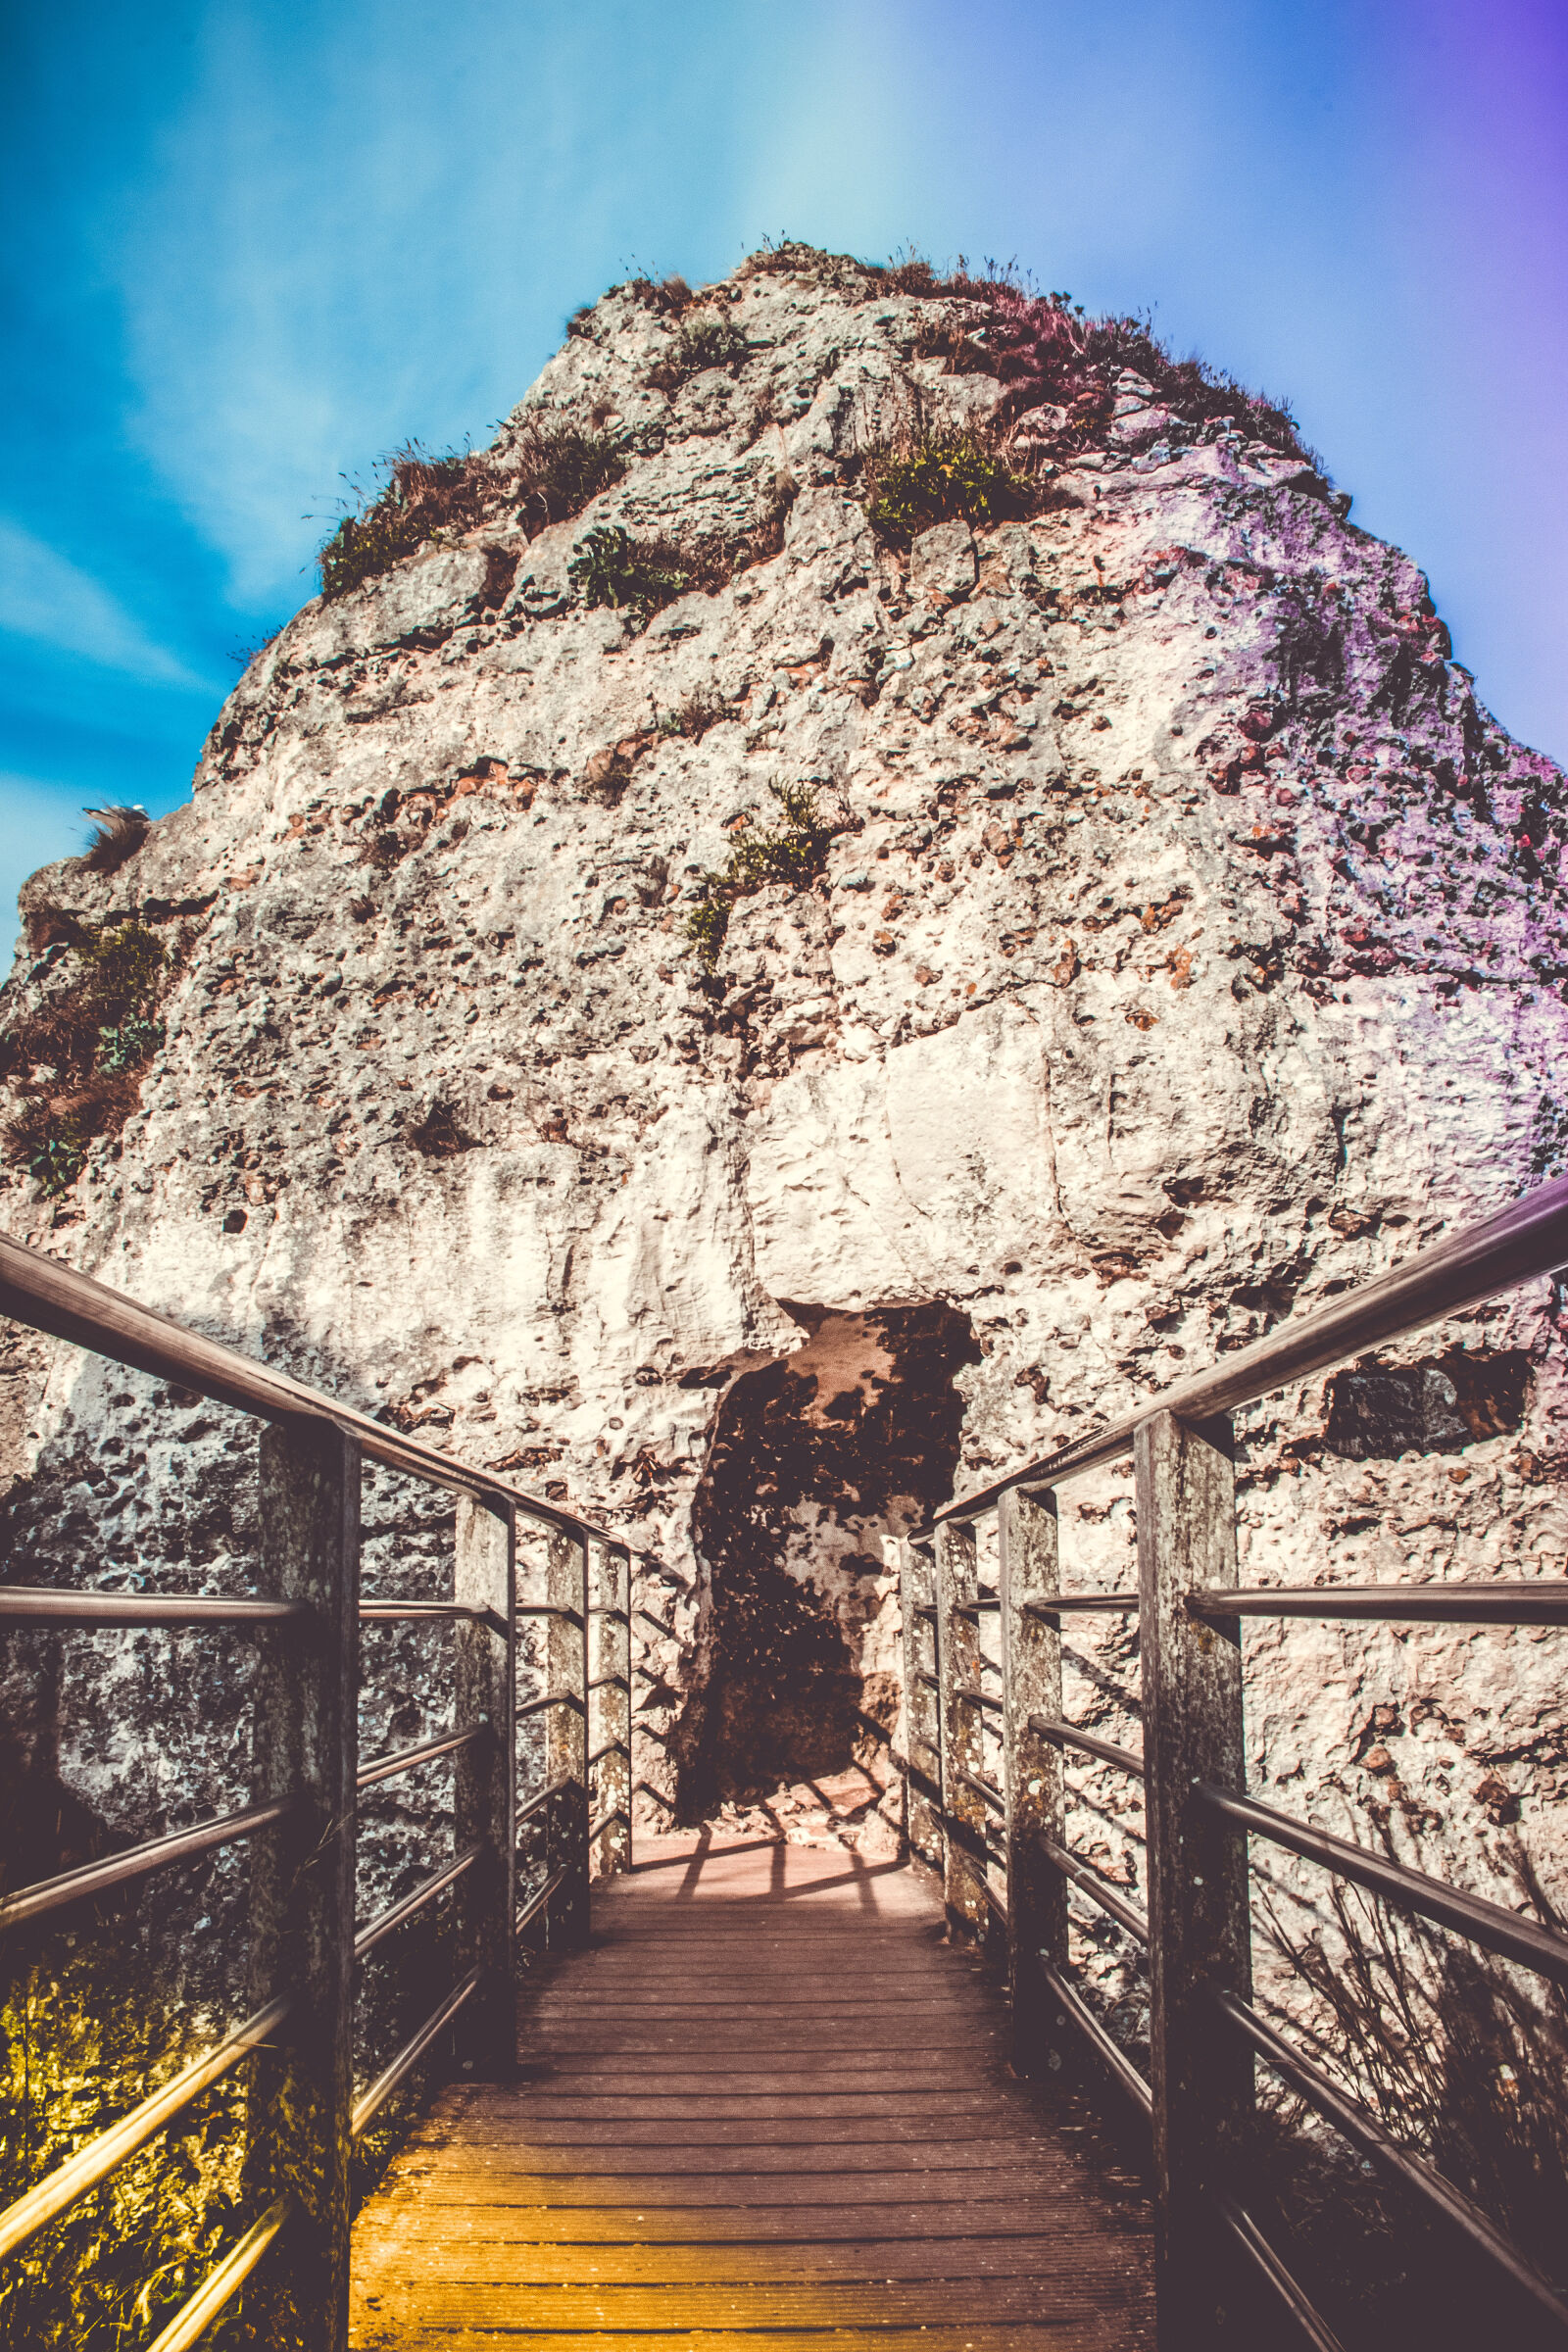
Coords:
pixel 930 1679
pixel 918 1739
pixel 390 1612
pixel 1527 1239
pixel 404 1759
pixel 45 1604
pixel 923 1608
pixel 611 1747
pixel 615 1813
pixel 1363 2132
pixel 397 1913
pixel 157 1853
pixel 1111 2053
pixel 1098 1890
pixel 99 2158
pixel 371 2102
pixel 551 1699
pixel 550 1608
pixel 1249 2238
pixel 1113 1603
pixel 1522 1601
pixel 992 1795
pixel 195 2315
pixel 610 1681
pixel 1543 1949
pixel 541 1796
pixel 39 1291
pixel 1067 1735
pixel 537 1901
pixel 977 1698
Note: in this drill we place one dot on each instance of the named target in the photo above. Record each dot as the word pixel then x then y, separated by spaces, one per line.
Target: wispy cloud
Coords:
pixel 46 596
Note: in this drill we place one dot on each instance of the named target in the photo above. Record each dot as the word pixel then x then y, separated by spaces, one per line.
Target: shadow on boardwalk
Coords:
pixel 767 2106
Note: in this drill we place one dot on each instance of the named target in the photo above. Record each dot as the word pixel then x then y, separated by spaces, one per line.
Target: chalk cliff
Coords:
pixel 757 1057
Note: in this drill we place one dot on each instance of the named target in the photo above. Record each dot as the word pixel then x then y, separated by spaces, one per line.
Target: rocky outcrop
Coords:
pixel 1156 935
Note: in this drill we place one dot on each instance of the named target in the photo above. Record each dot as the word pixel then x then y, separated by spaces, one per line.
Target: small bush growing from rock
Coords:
pixel 693 715
pixel 560 469
pixel 939 479
pixel 708 341
pixel 793 854
pixel 631 575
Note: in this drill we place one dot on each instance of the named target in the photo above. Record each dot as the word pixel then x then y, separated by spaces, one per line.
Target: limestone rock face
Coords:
pixel 1186 944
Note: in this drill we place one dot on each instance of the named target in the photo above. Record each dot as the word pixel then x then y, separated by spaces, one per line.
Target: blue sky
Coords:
pixel 252 247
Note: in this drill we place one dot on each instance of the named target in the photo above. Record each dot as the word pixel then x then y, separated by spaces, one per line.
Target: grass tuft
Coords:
pixel 118 834
pixel 793 853
pixel 609 566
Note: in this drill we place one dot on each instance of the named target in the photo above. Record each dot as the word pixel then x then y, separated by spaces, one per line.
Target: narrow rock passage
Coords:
pixel 767 2106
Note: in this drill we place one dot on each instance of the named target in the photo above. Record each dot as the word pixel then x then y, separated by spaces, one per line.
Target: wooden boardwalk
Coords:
pixel 767 2107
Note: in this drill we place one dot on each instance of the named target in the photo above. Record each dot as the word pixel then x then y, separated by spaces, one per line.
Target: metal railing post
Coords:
pixel 610 1708
pixel 1199 1930
pixel 484 1798
pixel 302 1882
pixel 567 1738
pixel 922 1715
pixel 963 1752
pixel 1031 1685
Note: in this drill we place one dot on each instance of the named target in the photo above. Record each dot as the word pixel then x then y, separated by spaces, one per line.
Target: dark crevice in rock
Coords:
pixel 1377 1414
pixel 813 1459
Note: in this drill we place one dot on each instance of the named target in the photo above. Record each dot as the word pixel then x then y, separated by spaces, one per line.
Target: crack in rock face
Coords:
pixel 815 1462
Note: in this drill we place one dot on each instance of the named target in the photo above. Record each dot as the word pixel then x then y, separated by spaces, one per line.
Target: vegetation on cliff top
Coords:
pixel 552 473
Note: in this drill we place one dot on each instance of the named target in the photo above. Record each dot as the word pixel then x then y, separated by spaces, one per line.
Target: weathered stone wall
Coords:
pixel 1189 945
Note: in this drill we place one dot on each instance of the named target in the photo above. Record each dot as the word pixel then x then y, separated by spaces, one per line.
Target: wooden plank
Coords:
pixel 833 2149
pixel 1199 1906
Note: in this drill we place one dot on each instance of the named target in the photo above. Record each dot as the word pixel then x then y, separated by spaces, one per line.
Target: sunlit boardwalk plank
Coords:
pixel 768 2107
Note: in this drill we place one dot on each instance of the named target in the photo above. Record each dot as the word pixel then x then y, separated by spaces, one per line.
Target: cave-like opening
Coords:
pixel 815 1459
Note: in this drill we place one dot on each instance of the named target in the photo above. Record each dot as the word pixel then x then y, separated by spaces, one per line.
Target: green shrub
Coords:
pixel 940 478
pixel 792 853
pixel 710 341
pixel 609 566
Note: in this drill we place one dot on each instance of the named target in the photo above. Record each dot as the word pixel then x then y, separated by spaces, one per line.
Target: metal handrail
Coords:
pixel 1109 1899
pixel 1094 2033
pixel 1068 1735
pixel 1511 1600
pixel 372 2102
pixel 1363 2132
pixel 194 2316
pixel 1543 1949
pixel 156 1853
pixel 47 1604
pixel 99 2158
pixel 39 1290
pixel 395 1914
pixel 1527 1239
pixel 404 1759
